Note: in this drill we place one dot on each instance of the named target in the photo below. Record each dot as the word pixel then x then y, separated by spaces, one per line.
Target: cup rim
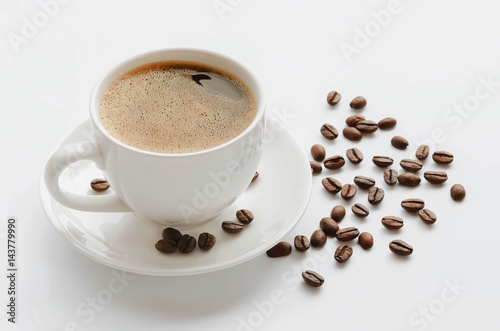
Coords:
pixel 99 85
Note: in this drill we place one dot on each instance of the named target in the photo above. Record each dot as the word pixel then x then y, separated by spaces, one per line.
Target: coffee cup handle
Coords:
pixel 60 160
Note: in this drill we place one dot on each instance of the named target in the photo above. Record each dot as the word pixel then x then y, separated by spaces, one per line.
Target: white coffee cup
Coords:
pixel 171 189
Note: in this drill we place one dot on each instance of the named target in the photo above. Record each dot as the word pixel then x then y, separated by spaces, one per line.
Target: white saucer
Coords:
pixel 278 198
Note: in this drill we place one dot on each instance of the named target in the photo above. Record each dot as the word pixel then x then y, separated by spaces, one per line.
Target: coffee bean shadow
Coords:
pixel 341 266
pixel 311 289
pixel 402 258
pixel 443 166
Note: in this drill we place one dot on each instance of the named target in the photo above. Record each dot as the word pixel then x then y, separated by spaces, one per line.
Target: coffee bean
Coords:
pixel 245 216
pixel 313 278
pixel 442 157
pixel 337 213
pixel 392 222
pixel 399 142
pixel 354 155
pixel 172 234
pixel 334 162
pixel 457 192
pixel 390 176
pixel 186 244
pixel 352 134
pixel 387 123
pixel 409 179
pixel 348 191
pixel 232 227
pixel 166 246
pixel 412 204
pixel 255 177
pixel 329 132
pixel 364 182
pixel 301 243
pixel 360 210
pixel 343 253
pixel 410 165
pixel 318 238
pixel 358 103
pixel 347 234
pixel 399 247
pixel 436 177
pixel 427 216
pixel 318 152
pixel 280 249
pixel 382 161
pixel 354 119
pixel 99 184
pixel 333 98
pixel 206 241
pixel 329 226
pixel 365 240
pixel 366 126
pixel 331 185
pixel 422 152
pixel 375 195
pixel 315 167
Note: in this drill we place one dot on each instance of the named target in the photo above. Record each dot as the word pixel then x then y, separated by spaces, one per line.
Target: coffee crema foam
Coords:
pixel 159 108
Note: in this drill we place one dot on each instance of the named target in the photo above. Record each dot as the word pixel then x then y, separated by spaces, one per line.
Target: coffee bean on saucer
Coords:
pixel 334 162
pixel 354 119
pixel 399 142
pixel 313 278
pixel 387 123
pixel 457 192
pixel 343 253
pixel 99 185
pixel 390 176
pixel 410 165
pixel 400 247
pixel 360 210
pixel 206 241
pixel 245 216
pixel 365 240
pixel 333 98
pixel 347 234
pixel 318 238
pixel 301 243
pixel 172 234
pixel 329 132
pixel 354 155
pixel 348 191
pixel 280 249
pixel 318 152
pixel 409 179
pixel 375 195
pixel 166 246
pixel 442 157
pixel 337 213
pixel 358 103
pixel 316 167
pixel 422 152
pixel 186 244
pixel 232 227
pixel 392 222
pixel 412 204
pixel 436 177
pixel 255 177
pixel 383 161
pixel 427 216
pixel 352 133
pixel 367 126
pixel 364 182
pixel 331 185
pixel 329 226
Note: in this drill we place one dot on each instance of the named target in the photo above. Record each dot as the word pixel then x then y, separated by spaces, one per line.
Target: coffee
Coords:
pixel 164 107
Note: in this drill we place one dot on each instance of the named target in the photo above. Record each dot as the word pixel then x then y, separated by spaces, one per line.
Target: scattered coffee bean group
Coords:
pixel 174 240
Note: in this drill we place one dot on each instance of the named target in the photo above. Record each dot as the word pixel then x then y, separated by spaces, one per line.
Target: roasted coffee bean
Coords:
pixel 206 241
pixel 360 210
pixel 457 192
pixel 390 176
pixel 313 278
pixel 387 123
pixel 334 162
pixel 364 182
pixel 442 157
pixel 301 243
pixel 354 119
pixel 347 234
pixel 329 226
pixel 422 152
pixel 255 176
pixel 399 142
pixel 365 240
pixel 348 191
pixel 245 216
pixel 337 213
pixel 392 222
pixel 316 167
pixel 99 184
pixel 358 103
pixel 166 246
pixel 409 179
pixel 412 204
pixel 318 152
pixel 354 155
pixel 382 161
pixel 333 98
pixel 329 132
pixel 410 165
pixel 343 253
pixel 186 244
pixel 436 177
pixel 375 195
pixel 172 234
pixel 331 185
pixel 280 249
pixel 399 247
pixel 352 133
pixel 232 227
pixel 427 216
pixel 318 238
pixel 367 126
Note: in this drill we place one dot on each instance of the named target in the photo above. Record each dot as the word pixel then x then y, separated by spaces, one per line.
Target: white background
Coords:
pixel 431 56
